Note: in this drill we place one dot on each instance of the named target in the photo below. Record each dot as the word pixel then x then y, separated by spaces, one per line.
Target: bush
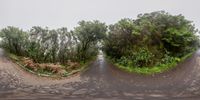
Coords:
pixel 142 58
pixel 153 41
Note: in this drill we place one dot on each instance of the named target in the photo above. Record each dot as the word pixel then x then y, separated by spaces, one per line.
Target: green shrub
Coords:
pixel 124 61
pixel 151 43
pixel 142 58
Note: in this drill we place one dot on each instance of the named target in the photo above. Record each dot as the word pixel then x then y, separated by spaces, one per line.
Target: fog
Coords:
pixel 67 13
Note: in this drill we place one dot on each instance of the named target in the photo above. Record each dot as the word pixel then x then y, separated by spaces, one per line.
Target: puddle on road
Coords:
pixel 101 60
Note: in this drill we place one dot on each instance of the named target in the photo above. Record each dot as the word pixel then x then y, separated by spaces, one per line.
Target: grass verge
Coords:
pixel 151 70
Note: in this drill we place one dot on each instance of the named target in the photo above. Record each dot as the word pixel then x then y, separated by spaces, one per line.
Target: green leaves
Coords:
pixel 14 39
pixel 88 34
pixel 152 39
pixel 90 30
pixel 45 45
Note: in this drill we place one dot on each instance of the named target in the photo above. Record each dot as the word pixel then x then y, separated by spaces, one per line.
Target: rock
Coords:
pixel 81 91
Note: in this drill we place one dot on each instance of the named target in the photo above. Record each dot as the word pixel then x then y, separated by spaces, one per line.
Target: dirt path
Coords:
pixel 102 81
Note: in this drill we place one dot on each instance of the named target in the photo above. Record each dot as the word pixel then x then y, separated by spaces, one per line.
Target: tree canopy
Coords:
pixel 57 45
pixel 145 41
pixel 89 33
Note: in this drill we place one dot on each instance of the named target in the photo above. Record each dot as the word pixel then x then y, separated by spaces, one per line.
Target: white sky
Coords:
pixel 67 13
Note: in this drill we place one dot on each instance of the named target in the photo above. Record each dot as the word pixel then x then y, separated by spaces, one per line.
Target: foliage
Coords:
pixel 153 39
pixel 119 39
pixel 56 46
pixel 89 33
pixel 167 64
pixel 142 58
pixel 14 40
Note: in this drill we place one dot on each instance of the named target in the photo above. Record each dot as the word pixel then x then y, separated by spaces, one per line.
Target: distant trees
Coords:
pixel 89 33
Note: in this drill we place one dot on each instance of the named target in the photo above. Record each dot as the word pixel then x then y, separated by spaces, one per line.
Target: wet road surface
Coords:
pixel 102 81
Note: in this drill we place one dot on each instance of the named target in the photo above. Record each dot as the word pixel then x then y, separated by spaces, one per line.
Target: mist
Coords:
pixel 67 13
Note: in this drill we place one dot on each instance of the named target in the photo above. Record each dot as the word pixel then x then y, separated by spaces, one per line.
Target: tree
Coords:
pixel 67 45
pixel 88 34
pixel 119 39
pixel 147 40
pixel 38 46
pixel 14 40
pixel 175 33
pixel 65 39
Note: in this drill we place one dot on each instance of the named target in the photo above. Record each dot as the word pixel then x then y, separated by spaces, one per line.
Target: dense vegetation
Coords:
pixel 45 49
pixel 152 43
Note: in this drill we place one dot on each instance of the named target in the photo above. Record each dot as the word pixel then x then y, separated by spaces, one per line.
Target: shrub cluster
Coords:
pixel 153 39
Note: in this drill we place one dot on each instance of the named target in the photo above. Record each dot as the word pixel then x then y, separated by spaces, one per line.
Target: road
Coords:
pixel 102 81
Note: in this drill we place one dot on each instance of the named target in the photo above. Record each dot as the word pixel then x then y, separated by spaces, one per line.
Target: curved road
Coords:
pixel 102 81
